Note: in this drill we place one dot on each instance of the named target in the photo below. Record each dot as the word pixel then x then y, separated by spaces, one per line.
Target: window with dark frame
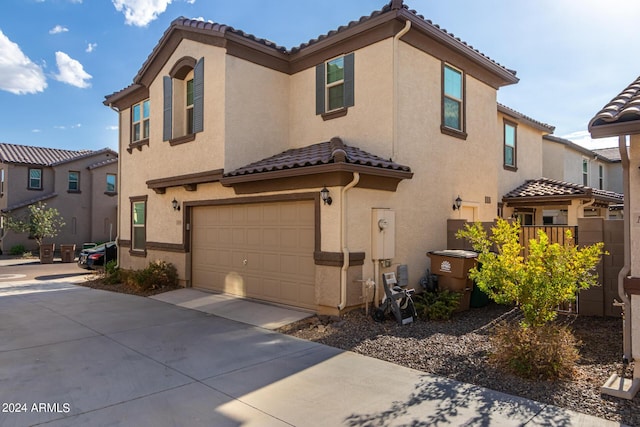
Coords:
pixel 138 225
pixel 510 147
pixel 35 179
pixel 111 183
pixel 140 124
pixel 73 185
pixel 452 98
pixel 601 177
pixel 585 172
pixel 335 86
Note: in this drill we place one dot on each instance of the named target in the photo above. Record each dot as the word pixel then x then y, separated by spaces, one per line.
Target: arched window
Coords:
pixel 183 103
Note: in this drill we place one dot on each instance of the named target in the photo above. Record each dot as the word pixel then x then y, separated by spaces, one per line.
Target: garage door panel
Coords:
pixel 277 241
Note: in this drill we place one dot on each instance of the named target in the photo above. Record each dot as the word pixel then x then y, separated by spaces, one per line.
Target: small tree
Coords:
pixel 551 275
pixel 40 222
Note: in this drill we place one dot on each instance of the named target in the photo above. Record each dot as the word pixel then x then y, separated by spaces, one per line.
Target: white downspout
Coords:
pixel 626 269
pixel 343 240
pixel 396 83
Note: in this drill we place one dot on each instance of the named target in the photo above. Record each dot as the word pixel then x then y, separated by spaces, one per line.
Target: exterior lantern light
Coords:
pixel 326 198
pixel 175 204
pixel 457 204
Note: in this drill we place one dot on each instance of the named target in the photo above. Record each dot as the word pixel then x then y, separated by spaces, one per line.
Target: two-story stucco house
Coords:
pixel 287 175
pixel 81 185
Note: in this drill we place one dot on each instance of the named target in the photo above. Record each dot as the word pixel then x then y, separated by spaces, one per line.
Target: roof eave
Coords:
pixel 605 130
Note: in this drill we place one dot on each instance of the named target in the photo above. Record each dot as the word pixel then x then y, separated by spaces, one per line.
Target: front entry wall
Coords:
pixel 256 250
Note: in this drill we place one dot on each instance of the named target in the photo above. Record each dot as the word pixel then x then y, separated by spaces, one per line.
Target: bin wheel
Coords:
pixel 378 315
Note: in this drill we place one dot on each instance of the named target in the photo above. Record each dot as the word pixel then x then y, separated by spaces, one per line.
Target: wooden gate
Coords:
pixel 556 234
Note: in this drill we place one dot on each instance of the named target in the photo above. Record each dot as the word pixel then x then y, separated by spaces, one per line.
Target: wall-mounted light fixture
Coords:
pixel 326 198
pixel 175 204
pixel 457 204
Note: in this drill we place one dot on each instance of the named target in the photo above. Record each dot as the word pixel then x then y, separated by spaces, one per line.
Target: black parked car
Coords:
pixel 97 256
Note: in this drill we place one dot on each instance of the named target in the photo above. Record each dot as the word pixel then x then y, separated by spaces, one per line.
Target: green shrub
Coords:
pixel 436 305
pixel 17 250
pixel 157 275
pixel 112 275
pixel 546 352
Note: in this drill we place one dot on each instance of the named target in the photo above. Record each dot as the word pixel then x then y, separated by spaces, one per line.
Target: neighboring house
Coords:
pixel 81 185
pixel 621 118
pixel 289 175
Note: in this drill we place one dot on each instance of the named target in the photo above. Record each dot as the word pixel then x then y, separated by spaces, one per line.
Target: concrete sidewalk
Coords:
pixel 74 356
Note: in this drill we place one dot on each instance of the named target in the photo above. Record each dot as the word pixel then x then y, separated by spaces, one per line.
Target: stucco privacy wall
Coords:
pixel 634 202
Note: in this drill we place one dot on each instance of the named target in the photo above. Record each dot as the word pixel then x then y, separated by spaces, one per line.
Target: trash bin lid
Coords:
pixel 456 253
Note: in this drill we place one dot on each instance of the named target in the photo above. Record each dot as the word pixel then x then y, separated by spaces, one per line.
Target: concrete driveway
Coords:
pixel 74 356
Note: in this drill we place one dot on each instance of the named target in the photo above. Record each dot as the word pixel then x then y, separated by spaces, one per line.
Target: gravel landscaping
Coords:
pixel 458 349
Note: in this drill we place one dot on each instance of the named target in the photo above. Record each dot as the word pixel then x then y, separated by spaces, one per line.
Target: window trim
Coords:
pixel 601 176
pixel 322 88
pixel 181 69
pixel 142 137
pixel 511 167
pixel 69 189
pixel 29 187
pixel 447 130
pixel 115 184
pixel 585 172
pixel 133 201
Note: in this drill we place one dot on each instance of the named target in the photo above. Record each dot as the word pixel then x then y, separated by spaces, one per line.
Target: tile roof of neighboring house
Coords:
pixel 535 123
pixel 393 9
pixel 612 153
pixel 621 110
pixel 324 153
pixel 30 202
pixel 41 156
pixel 103 163
pixel 549 189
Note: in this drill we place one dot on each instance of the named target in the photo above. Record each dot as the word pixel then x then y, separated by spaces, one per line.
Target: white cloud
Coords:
pixel 71 71
pixel 140 12
pixel 583 138
pixel 58 29
pixel 36 130
pixel 18 74
pixel 190 1
pixel 112 127
pixel 91 47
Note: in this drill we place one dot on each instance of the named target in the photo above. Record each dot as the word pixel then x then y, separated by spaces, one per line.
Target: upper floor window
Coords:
pixel 35 179
pixel 183 105
pixel 335 86
pixel 453 108
pixel 601 177
pixel 1 182
pixel 111 183
pixel 140 121
pixel 74 182
pixel 585 172
pixel 510 145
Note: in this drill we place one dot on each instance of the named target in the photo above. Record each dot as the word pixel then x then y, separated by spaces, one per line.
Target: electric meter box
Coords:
pixel 383 234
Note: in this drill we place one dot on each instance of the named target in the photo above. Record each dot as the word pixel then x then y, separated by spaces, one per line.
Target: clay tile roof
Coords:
pixel 532 122
pixel 624 107
pixel 24 154
pixel 612 153
pixel 41 198
pixel 103 163
pixel 545 187
pixel 333 151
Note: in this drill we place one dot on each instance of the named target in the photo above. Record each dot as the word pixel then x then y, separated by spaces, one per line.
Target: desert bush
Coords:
pixel 546 352
pixel 17 250
pixel 436 305
pixel 157 275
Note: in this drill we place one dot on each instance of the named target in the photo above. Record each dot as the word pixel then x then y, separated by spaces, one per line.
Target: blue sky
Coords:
pixel 59 58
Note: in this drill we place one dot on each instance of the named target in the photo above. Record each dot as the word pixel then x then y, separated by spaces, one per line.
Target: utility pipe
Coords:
pixel 343 240
pixel 626 269
pixel 396 83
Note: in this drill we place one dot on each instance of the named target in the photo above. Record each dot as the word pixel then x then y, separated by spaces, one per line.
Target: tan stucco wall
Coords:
pixel 367 125
pixel 634 200
pixel 528 155
pixel 443 166
pixel 104 207
pixel 552 160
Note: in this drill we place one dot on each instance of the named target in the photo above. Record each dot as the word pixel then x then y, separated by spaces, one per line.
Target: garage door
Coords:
pixel 257 250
